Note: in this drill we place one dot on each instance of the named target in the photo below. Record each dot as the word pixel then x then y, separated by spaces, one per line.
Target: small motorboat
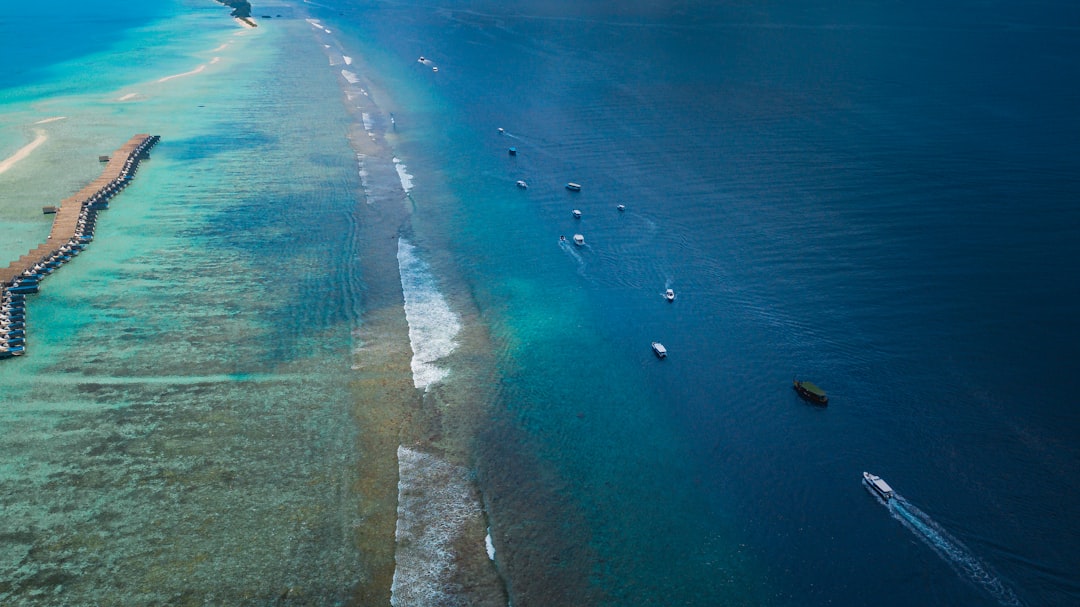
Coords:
pixel 521 184
pixel 512 151
pixel 669 295
pixel 810 392
pixel 434 69
pixel 579 240
pixel 573 187
pixel 659 350
pixel 421 59
pixel 501 130
pixel 621 208
pixel 878 485
pixel 576 213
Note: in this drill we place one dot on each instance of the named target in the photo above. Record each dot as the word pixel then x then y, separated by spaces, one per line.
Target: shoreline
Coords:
pixel 24 151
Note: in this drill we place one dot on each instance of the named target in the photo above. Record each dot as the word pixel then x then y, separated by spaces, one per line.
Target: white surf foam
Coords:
pixel 403 174
pixel 362 169
pixel 53 119
pixel 314 23
pixel 432 324
pixel 366 117
pixel 351 77
pixel 489 545
pixel 434 505
pixel 128 97
pixel 348 59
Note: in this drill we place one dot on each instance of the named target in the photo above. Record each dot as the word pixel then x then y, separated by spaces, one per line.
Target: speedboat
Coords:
pixel 521 184
pixel 878 485
pixel 669 295
pixel 512 151
pixel 659 350
pixel 621 207
pixel 810 391
pixel 501 130
pixel 576 213
pixel 579 240
pixel 573 187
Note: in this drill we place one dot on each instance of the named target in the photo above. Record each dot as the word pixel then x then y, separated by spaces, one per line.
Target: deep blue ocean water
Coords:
pixel 882 199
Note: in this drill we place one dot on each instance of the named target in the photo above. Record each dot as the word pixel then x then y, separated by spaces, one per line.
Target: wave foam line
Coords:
pixel 24 151
pixel 348 59
pixel 350 77
pixel 48 120
pixel 432 324
pixel 434 506
pixel 951 550
pixel 403 175
pixel 362 171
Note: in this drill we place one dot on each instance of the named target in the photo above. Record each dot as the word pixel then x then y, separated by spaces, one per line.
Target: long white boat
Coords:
pixel 878 485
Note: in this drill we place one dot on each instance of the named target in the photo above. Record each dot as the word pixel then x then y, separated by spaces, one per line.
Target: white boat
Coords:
pixel 579 239
pixel 878 485
pixel 669 295
pixel 659 350
pixel 573 187
pixel 576 213
pixel 621 207
pixel 521 184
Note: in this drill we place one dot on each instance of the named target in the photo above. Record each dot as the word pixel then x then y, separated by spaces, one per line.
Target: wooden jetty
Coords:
pixel 72 229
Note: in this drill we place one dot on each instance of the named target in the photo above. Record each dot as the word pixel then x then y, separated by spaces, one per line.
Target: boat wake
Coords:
pixel 571 250
pixel 951 550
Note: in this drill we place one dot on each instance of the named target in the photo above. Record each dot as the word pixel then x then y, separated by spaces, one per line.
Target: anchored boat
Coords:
pixel 811 392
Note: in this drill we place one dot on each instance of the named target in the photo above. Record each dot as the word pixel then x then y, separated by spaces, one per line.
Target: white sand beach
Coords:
pixel 24 151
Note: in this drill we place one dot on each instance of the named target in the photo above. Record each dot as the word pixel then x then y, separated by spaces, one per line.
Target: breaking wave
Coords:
pixel 435 505
pixel 403 174
pixel 433 326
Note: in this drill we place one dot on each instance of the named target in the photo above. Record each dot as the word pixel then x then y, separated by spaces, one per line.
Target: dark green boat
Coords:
pixel 811 392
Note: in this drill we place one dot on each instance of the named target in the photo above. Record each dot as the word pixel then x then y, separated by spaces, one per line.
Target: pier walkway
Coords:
pixel 72 230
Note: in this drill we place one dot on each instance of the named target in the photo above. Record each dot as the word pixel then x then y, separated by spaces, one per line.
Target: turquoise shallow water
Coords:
pixel 181 430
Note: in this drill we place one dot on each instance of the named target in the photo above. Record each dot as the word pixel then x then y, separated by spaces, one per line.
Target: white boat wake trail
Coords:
pixel 951 550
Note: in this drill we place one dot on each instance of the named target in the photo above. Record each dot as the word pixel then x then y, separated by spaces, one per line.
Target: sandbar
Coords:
pixel 191 73
pixel 24 151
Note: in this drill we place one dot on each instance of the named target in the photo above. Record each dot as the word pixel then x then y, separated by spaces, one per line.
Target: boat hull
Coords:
pixel 807 394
